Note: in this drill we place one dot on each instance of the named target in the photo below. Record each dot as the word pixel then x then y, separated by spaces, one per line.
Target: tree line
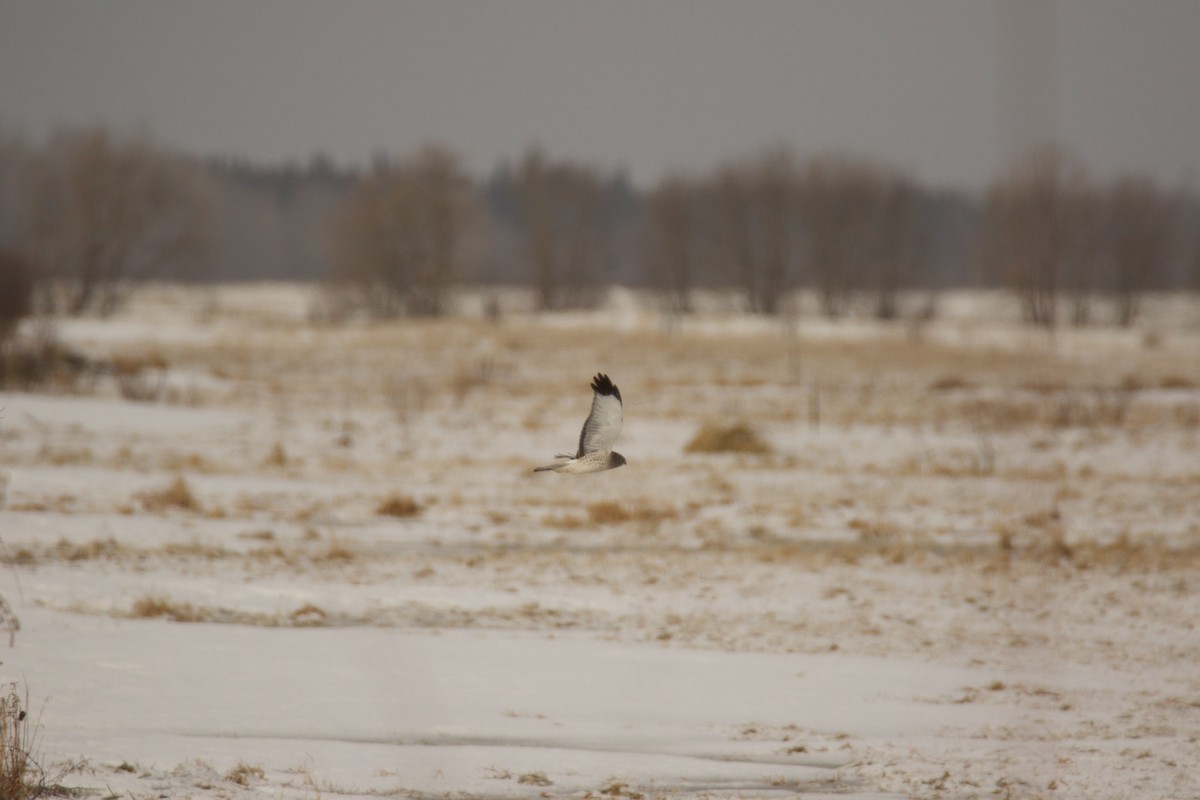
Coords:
pixel 90 214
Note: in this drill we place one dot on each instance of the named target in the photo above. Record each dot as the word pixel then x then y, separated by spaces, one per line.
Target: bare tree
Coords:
pixel 567 228
pixel 16 293
pixel 106 213
pixel 903 244
pixel 860 230
pixel 400 235
pixel 755 203
pixel 671 239
pixel 1041 234
pixel 1139 222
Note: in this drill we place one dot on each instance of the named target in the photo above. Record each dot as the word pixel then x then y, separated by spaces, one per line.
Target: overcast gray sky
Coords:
pixel 934 86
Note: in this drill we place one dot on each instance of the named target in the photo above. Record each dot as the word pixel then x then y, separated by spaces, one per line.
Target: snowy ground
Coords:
pixel 276 559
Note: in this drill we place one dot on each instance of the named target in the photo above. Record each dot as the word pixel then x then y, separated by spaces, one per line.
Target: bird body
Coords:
pixel 600 432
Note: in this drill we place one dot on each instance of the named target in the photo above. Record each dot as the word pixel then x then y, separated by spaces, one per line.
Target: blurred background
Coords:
pixel 903 297
pixel 394 151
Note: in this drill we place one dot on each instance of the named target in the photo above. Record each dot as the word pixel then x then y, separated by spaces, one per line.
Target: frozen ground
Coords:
pixel 292 561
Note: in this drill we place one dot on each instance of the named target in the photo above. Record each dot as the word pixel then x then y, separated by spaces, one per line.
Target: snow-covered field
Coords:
pixel 271 558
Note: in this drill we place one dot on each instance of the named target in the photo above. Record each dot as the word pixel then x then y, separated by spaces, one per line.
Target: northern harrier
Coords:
pixel 601 430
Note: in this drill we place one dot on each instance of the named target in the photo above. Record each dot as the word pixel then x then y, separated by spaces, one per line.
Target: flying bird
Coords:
pixel 600 431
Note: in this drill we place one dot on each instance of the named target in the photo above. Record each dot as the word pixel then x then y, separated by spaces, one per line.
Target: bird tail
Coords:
pixel 554 467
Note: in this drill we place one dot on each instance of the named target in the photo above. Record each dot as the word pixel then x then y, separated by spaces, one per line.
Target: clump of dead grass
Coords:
pixel 398 505
pixel 950 383
pixel 88 551
pixel 738 437
pixel 308 615
pixel 278 457
pixel 176 494
pixel 609 512
pixel 21 774
pixel 154 606
pixel 242 773
pixel 337 551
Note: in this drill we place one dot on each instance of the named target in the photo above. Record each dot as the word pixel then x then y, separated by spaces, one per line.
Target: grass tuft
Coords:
pixel 242 773
pixel 608 512
pixel 278 457
pixel 176 494
pixel 397 505
pixel 20 774
pixel 157 606
pixel 736 438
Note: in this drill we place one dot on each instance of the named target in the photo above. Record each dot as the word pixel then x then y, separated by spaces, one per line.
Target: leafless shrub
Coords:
pixel 106 213
pixel 16 293
pixel 567 223
pixel 671 239
pixel 398 242
pixel 1138 227
pixel 1042 234
pixel 755 203
pixel 860 231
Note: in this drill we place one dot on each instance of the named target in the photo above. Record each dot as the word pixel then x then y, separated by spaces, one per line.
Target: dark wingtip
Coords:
pixel 602 384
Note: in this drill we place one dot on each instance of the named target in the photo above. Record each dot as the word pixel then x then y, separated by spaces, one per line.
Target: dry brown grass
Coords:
pixel 260 535
pixel 398 505
pixel 189 462
pixel 278 457
pixel 243 774
pixel 308 615
pixel 159 606
pixel 89 550
pixel 1176 382
pixel 21 775
pixel 338 551
pixel 131 362
pixel 62 456
pixel 175 495
pixel 609 512
pixel 950 383
pixel 715 437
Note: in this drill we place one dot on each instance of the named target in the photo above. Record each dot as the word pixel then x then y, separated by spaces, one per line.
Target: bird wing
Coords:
pixel 603 425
